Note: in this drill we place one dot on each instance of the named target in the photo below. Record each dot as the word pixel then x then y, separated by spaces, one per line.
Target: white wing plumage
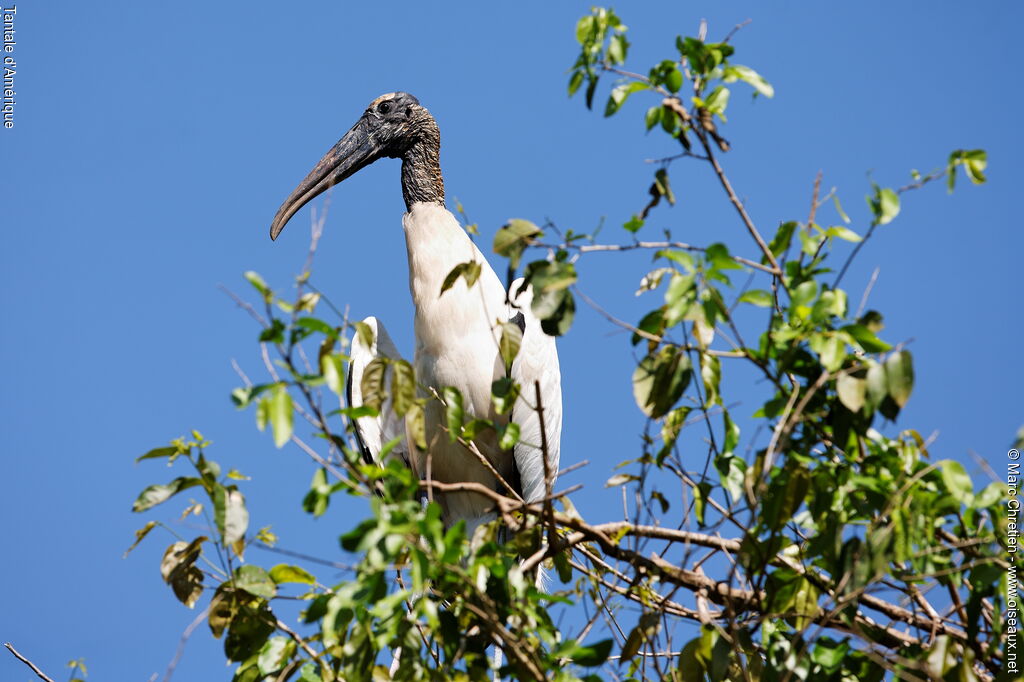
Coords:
pixel 537 361
pixel 373 433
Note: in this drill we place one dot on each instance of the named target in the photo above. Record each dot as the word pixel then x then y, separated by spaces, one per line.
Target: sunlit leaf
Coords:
pixel 281 415
pixel 899 372
pixel 287 573
pixel 155 494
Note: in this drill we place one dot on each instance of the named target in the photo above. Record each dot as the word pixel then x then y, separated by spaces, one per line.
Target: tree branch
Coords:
pixel 39 673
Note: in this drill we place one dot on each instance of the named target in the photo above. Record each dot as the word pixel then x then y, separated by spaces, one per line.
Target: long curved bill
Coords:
pixel 354 150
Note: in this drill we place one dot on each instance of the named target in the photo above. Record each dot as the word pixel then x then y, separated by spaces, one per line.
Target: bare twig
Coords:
pixel 677 106
pixel 39 673
pixel 647 335
pixel 867 292
pixel 243 304
pixel 186 633
pixel 592 248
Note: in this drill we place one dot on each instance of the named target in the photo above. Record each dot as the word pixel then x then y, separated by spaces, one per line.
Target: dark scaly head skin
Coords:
pixel 395 125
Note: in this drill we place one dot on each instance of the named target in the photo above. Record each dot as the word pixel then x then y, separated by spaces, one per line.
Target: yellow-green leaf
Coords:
pixel 281 415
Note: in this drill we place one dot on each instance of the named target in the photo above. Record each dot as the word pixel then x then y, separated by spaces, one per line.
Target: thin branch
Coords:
pixel 867 292
pixel 183 641
pixel 677 106
pixel 735 29
pixel 244 305
pixel 647 335
pixel 591 248
pixel 298 640
pixel 39 673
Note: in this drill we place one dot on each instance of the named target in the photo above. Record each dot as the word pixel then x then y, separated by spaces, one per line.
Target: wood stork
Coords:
pixel 457 332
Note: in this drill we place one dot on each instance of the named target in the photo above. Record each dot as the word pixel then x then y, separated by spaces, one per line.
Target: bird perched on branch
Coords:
pixel 458 331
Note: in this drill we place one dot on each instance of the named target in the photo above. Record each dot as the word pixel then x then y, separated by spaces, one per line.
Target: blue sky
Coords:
pixel 154 142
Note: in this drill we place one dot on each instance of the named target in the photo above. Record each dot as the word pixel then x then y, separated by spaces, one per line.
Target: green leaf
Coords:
pixel 718 256
pixel 585 29
pixel 674 80
pixel 333 369
pixel 803 294
pixel 653 117
pixel 877 384
pixel 711 374
pixel 236 517
pixel 281 415
pixel 287 573
pixel 403 386
pixel 851 391
pixel 157 453
pixel 508 345
pixel 364 333
pixel 139 535
pixel 805 603
pixel 504 392
pixel 701 492
pixel 316 500
pixel 662 186
pixel 974 162
pixel 660 379
pixel 843 233
pixel 899 372
pixel 958 483
pixel 620 94
pixel 262 413
pixel 274 333
pixel 156 494
pixel 547 276
pixel 415 425
pixel 469 271
pixel 735 72
pixel 989 495
pixel 514 237
pixel 274 655
pixel 250 627
pixel 617 48
pixel 575 81
pixel 717 101
pixel 372 383
pixel 315 325
pixel 758 297
pixel 633 224
pixel 509 436
pixel 562 566
pixel 255 580
pixel 866 339
pixel 782 239
pixel 475 427
pixel 307 302
pixel 829 654
pixel 260 286
pixel 831 349
pixel 241 397
pixel 620 479
pixel 593 655
pixel 178 570
pixel 885 204
pixel 552 304
pixel 454 413
pixel 839 209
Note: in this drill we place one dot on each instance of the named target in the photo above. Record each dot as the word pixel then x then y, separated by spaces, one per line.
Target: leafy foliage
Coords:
pixel 829 551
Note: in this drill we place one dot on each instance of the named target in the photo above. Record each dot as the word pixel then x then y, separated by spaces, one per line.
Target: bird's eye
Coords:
pixel 384 107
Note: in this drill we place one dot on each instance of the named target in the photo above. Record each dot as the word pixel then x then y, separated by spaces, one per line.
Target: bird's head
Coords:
pixel 392 125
